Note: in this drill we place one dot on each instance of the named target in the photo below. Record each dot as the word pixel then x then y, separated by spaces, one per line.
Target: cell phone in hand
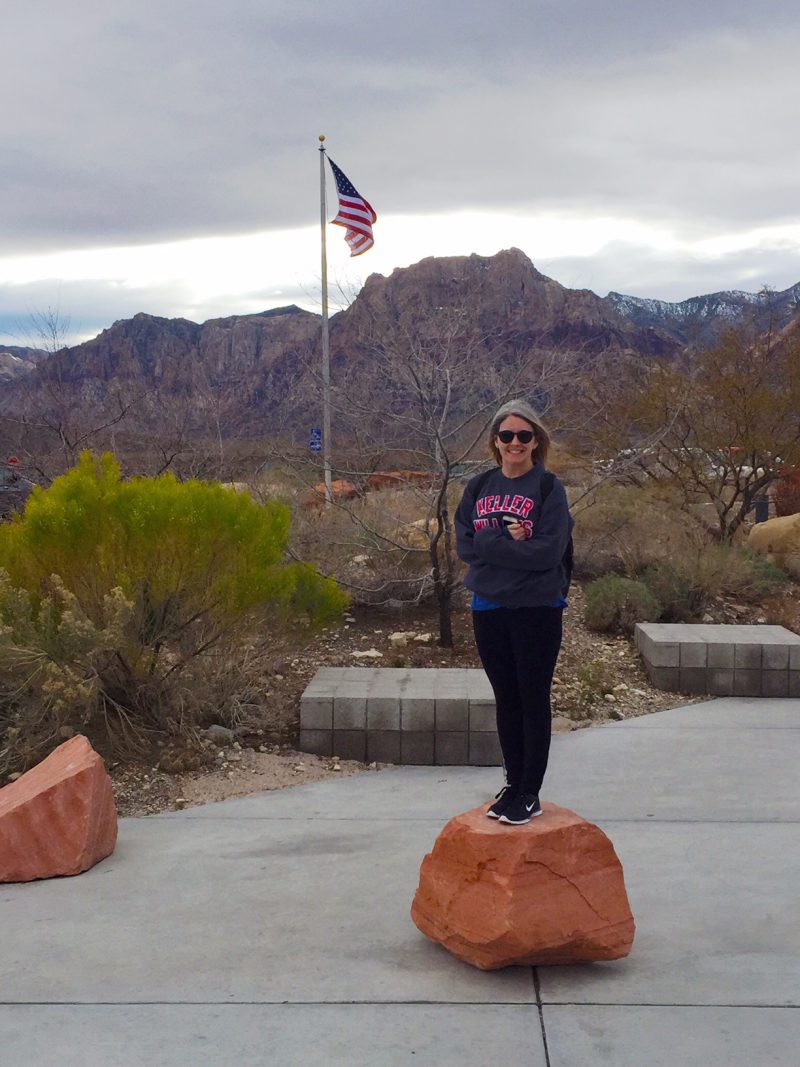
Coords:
pixel 509 520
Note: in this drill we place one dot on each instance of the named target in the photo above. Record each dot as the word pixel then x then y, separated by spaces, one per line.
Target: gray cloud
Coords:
pixel 165 120
pixel 145 123
pixel 640 271
pixel 88 307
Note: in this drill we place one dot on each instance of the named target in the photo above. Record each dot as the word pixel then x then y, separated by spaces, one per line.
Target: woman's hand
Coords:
pixel 517 531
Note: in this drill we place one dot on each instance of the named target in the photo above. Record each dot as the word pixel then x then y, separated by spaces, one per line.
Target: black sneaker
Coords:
pixel 522 809
pixel 504 798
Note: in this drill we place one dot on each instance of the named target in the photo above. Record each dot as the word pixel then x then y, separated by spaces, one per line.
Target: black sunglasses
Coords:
pixel 507 436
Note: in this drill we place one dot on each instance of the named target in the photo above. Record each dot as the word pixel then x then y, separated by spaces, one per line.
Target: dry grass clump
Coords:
pixel 616 604
pixel 652 560
pixel 626 529
pixel 377 545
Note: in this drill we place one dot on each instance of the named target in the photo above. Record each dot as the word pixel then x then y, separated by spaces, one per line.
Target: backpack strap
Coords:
pixel 481 482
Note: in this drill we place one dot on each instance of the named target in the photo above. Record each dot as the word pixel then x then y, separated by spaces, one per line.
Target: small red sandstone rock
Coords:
pixel 340 490
pixel 551 891
pixel 59 818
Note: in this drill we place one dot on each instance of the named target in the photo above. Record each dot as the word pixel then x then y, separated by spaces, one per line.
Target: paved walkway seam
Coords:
pixel 540 1006
pixel 494 1003
pixel 662 1004
pixel 377 819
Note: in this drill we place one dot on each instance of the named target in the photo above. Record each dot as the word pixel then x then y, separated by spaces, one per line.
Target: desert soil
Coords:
pixel 599 678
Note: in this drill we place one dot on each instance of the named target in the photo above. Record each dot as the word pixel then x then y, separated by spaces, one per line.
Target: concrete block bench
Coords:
pixel 443 716
pixel 721 660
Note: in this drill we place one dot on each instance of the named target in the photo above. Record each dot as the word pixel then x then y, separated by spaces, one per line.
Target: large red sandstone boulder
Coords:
pixel 551 891
pixel 59 818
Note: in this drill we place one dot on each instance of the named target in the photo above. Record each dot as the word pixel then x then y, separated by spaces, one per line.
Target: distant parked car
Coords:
pixel 15 489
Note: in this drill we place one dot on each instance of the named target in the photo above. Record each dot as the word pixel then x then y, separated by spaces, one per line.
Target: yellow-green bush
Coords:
pixel 114 590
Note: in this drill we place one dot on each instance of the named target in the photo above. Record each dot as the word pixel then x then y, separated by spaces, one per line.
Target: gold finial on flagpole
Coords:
pixel 322 137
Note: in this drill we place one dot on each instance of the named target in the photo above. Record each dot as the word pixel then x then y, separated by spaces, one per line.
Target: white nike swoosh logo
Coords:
pixel 529 807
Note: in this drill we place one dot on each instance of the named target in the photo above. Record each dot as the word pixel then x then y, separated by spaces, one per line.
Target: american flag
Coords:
pixel 355 213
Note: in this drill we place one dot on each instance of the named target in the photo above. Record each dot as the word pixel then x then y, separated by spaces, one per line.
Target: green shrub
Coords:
pixel 758 576
pixel 680 599
pixel 614 603
pixel 113 592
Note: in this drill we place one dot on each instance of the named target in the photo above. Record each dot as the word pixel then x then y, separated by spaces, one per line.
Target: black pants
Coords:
pixel 518 649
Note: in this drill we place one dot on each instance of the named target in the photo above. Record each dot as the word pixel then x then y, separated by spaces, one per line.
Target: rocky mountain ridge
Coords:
pixel 513 298
pixel 237 370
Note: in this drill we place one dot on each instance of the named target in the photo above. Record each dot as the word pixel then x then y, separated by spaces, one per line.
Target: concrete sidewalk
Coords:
pixel 275 929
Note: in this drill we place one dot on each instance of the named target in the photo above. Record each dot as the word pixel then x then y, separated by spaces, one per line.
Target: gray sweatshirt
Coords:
pixel 513 573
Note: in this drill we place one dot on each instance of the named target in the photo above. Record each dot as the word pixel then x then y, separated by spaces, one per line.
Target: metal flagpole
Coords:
pixel 326 351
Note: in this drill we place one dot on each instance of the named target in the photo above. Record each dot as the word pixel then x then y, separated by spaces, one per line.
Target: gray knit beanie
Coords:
pixel 517 407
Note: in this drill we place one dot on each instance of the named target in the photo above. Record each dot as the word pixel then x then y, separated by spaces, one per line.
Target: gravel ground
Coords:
pixel 599 678
pixel 241 772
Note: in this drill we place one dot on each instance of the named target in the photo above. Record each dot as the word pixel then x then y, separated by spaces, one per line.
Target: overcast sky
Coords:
pixel 161 155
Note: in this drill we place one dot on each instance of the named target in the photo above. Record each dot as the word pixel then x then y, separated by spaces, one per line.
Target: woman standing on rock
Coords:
pixel 513 529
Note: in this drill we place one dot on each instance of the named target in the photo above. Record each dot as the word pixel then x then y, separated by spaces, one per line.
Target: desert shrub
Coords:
pixel 686 586
pixel 571 468
pixel 753 576
pixel 114 594
pixel 648 535
pixel 787 493
pixel 614 603
pixel 376 546
pixel 626 529
pixel 583 697
pixel 595 679
pixel 674 589
pixel 716 570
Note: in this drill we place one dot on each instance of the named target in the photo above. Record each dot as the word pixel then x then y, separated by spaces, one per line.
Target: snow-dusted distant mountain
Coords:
pixel 698 317
pixel 16 362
